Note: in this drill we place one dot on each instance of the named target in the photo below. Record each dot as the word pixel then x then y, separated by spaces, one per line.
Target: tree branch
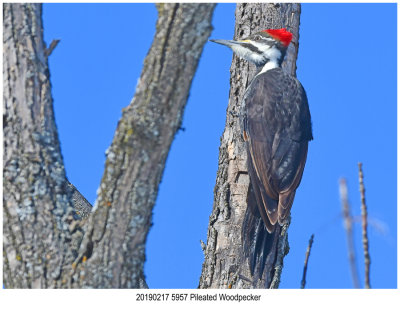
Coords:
pixel 348 223
pixel 49 50
pixel 364 214
pixel 114 245
pixel 303 280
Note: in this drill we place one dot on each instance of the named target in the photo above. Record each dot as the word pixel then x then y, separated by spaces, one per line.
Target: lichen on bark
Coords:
pixel 37 212
pixel 44 245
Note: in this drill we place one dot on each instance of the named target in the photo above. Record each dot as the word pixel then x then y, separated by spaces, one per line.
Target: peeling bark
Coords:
pixel 224 265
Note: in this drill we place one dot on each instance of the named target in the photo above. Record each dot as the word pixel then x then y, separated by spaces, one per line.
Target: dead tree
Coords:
pixel 224 265
pixel 44 245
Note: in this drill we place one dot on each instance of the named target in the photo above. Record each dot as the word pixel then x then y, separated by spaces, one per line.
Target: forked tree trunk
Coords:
pixel 41 238
pixel 224 265
pixel 135 161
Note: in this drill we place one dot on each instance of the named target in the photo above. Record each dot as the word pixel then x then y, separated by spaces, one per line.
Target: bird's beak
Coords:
pixel 228 43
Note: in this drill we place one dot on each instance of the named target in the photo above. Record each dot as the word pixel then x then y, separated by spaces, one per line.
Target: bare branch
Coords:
pixel 53 45
pixel 364 214
pixel 303 280
pixel 348 223
pixel 114 244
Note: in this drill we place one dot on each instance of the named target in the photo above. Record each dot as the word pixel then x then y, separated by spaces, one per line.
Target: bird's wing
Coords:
pixel 277 127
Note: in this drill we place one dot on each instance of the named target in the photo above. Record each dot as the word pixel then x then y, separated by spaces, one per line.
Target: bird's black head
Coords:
pixel 267 46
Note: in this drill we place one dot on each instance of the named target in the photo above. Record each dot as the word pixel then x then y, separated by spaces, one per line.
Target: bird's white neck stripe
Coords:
pixel 269 66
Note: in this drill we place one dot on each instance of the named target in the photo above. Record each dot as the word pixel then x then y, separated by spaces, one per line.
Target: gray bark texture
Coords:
pixel 40 234
pixel 224 265
pixel 44 245
pixel 113 251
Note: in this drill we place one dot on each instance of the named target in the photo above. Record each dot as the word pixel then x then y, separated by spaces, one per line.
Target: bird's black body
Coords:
pixel 276 126
pixel 277 129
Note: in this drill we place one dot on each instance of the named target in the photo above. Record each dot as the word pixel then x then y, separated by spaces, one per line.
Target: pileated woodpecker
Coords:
pixel 276 126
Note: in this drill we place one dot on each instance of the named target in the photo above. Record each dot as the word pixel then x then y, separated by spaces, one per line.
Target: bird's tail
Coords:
pixel 257 241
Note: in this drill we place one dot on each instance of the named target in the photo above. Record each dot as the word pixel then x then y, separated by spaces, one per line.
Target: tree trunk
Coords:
pixel 224 265
pixel 42 240
pixel 39 240
pixel 114 245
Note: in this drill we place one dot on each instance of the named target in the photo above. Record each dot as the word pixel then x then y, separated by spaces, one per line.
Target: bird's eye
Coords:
pixel 258 38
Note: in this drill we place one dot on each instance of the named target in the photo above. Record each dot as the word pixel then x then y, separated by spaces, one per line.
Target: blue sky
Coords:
pixel 347 64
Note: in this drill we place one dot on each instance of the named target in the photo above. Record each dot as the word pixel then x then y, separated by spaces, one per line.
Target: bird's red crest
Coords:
pixel 280 34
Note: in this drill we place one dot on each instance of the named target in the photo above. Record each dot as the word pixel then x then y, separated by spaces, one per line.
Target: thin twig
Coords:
pixel 364 214
pixel 303 280
pixel 50 49
pixel 348 223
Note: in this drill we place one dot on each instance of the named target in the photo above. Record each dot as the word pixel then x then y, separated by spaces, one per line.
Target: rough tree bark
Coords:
pixel 39 240
pixel 113 250
pixel 224 265
pixel 43 244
